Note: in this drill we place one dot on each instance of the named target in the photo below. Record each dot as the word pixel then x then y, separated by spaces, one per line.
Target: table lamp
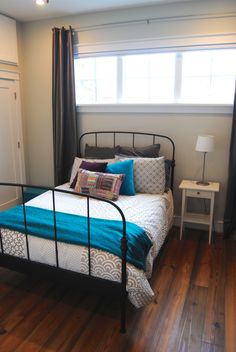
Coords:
pixel 205 144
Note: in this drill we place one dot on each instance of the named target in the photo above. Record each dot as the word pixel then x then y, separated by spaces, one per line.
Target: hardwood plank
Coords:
pixel 14 295
pixel 161 284
pixel 165 336
pixel 9 281
pixel 9 277
pixel 192 320
pixel 215 320
pixel 163 318
pixel 195 287
pixel 230 298
pixel 13 316
pixel 49 323
pixel 102 325
pixel 70 329
pixel 207 347
pixel 118 342
pixel 203 266
pixel 20 333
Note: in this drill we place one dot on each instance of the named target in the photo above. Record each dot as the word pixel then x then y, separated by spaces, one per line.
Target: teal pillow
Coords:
pixel 125 167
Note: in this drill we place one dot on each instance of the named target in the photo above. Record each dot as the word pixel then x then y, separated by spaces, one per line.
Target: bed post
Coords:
pixel 55 227
pixel 2 250
pixel 123 281
pixel 89 242
pixel 25 222
pixel 172 174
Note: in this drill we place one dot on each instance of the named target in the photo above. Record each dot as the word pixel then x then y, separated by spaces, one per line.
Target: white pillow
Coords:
pixel 78 161
pixel 149 174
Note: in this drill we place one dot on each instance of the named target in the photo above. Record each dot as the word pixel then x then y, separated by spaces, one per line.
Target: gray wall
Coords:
pixel 183 128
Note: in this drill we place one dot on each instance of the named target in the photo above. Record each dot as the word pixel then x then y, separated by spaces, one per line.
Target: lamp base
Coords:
pixel 201 183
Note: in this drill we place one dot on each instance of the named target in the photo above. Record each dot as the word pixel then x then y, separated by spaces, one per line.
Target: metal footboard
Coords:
pixel 89 282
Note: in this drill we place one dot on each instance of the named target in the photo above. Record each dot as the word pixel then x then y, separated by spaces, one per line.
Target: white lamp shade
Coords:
pixel 205 143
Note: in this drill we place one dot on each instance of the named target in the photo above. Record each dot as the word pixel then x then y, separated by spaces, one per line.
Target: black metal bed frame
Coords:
pixel 86 281
pixel 153 137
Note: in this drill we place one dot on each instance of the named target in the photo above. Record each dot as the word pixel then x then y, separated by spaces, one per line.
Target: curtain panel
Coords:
pixel 63 104
pixel 230 207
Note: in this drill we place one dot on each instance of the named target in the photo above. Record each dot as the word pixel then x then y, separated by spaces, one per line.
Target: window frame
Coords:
pixel 176 107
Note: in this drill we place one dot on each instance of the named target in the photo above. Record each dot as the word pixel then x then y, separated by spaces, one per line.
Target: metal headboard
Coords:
pixel 153 137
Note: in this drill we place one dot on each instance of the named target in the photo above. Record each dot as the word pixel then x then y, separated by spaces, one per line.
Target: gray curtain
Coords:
pixel 230 208
pixel 63 104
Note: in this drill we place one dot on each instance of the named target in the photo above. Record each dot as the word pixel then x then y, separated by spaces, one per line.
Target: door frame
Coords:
pixel 14 78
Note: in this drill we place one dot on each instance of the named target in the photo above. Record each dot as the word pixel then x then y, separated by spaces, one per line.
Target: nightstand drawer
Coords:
pixel 198 194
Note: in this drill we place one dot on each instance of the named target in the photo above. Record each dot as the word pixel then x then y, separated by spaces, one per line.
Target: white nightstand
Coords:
pixel 191 189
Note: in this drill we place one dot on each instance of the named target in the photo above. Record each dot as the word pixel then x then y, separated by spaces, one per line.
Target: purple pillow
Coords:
pixel 93 166
pixel 90 166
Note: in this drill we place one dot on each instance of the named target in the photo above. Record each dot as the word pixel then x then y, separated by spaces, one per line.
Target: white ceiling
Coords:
pixel 27 10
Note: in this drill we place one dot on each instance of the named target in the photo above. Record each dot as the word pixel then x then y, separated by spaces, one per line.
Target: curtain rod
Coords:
pixel 155 19
pixel 110 24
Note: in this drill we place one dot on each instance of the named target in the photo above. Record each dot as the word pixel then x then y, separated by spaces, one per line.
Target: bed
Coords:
pixel 119 270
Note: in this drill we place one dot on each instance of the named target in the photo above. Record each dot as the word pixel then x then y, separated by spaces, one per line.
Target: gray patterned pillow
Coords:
pixel 149 175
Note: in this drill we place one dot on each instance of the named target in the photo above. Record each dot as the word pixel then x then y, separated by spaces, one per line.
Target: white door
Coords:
pixel 10 143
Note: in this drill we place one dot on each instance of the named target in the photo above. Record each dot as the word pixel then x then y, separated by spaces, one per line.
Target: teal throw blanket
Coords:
pixel 104 234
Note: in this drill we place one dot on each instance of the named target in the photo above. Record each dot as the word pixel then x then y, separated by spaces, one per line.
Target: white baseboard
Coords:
pixel 217 227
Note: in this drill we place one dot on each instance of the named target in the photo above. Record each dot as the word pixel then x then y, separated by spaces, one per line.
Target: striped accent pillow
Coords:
pixel 99 184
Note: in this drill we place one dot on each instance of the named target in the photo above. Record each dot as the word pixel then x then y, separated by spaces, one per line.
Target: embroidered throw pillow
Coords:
pixel 99 184
pixel 91 166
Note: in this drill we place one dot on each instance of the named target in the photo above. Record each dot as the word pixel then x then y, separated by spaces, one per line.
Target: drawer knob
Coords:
pixel 198 192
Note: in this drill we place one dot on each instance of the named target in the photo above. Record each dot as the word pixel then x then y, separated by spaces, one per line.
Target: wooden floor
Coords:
pixel 195 286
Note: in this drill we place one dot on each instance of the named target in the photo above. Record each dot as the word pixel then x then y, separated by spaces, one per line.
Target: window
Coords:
pixel 96 80
pixel 187 77
pixel 148 78
pixel 208 77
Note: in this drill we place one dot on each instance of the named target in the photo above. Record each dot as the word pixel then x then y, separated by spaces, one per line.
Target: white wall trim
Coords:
pixel 21 150
pixel 8 61
pixel 11 75
pixel 157 108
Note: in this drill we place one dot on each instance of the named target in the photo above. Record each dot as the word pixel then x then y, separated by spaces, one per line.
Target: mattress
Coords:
pixel 154 213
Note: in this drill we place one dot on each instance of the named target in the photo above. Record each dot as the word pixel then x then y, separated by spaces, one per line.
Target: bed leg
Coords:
pixel 123 315
pixel 123 280
pixel 155 298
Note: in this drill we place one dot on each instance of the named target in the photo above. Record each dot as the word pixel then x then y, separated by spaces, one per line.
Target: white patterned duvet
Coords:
pixel 154 213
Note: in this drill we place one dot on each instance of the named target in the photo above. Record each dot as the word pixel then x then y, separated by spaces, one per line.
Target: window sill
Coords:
pixel 157 108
